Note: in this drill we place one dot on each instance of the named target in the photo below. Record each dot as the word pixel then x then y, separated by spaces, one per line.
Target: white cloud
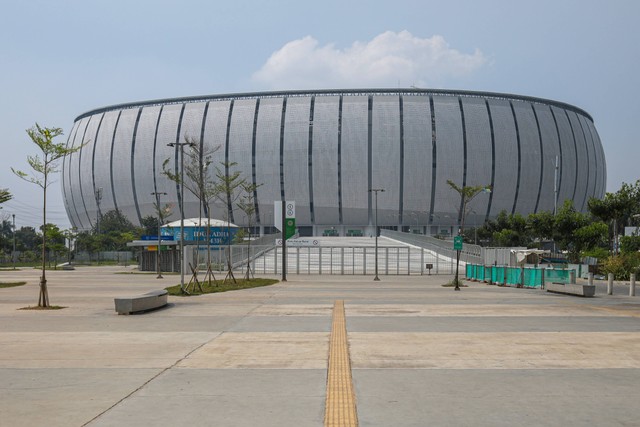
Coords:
pixel 388 60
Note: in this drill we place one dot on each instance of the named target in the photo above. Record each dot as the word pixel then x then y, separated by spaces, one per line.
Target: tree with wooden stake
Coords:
pixel 248 206
pixel 43 167
pixel 467 194
pixel 228 186
pixel 195 177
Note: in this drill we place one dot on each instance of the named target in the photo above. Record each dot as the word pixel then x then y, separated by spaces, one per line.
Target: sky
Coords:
pixel 59 59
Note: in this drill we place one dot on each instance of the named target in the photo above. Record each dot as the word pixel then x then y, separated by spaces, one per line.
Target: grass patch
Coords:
pixel 218 286
pixel 35 307
pixel 11 284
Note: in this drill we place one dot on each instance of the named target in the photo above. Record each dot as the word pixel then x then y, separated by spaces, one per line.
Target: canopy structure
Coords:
pixel 201 222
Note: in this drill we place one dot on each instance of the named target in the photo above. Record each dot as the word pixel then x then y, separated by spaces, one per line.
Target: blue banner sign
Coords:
pixel 217 235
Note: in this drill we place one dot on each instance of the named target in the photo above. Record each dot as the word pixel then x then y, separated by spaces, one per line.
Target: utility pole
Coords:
pixel 99 214
pixel 158 194
pixel 13 257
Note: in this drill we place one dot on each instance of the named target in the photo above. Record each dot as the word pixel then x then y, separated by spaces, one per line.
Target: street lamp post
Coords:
pixel 375 191
pixel 13 257
pixel 181 145
pixel 158 194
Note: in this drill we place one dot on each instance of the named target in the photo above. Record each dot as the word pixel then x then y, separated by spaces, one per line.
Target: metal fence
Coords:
pixel 469 253
pixel 337 260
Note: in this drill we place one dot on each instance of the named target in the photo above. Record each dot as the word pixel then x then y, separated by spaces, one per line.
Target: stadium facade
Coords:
pixel 325 149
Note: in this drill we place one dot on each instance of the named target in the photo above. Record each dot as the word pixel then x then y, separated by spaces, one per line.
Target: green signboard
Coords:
pixel 290 227
pixel 457 243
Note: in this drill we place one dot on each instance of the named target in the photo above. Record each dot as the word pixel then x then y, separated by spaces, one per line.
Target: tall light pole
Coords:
pixel 158 194
pixel 13 257
pixel 181 145
pixel 375 191
pixel 98 200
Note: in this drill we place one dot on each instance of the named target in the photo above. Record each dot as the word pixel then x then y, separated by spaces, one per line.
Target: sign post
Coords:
pixel 457 246
pixel 284 213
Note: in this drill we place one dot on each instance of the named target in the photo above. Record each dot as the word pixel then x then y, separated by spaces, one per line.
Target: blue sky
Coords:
pixel 59 59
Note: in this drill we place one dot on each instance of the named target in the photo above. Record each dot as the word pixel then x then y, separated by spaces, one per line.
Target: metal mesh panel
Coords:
pixel 450 159
pixel 506 149
pixel 591 154
pixel 72 175
pixel 215 134
pixel 568 162
pixel 479 158
pixel 190 130
pixel 530 158
pixel 240 146
pixel 143 162
pixel 88 199
pixel 76 186
pixel 385 157
pixel 325 160
pixel 583 163
pixel 296 156
pixel 167 130
pixel 355 180
pixel 550 150
pixel 268 163
pixel 418 159
pixel 121 167
pixel 102 164
pixel 66 168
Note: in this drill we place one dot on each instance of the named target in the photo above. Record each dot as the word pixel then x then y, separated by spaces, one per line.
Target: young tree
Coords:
pixel 227 192
pixel 248 206
pixel 43 167
pixel 467 194
pixel 199 182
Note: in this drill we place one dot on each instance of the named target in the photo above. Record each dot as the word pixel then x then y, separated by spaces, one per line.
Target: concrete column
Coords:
pixel 610 284
pixel 590 279
pixel 632 285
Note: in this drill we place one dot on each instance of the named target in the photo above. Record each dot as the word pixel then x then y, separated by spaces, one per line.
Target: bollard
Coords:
pixel 590 279
pixel 632 286
pixel 610 284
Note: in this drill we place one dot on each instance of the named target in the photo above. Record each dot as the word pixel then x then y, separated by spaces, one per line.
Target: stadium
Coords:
pixel 325 149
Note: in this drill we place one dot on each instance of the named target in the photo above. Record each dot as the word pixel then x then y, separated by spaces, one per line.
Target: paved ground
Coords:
pixel 421 354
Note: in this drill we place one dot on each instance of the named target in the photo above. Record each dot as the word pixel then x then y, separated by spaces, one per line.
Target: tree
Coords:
pixel 198 182
pixel 150 225
pixel 228 184
pixel 467 194
pixel 115 221
pixel 5 196
pixel 43 167
pixel 248 206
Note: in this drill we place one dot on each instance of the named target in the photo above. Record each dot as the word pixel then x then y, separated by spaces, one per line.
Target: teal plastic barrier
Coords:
pixel 558 276
pixel 513 276
pixel 532 278
pixel 527 277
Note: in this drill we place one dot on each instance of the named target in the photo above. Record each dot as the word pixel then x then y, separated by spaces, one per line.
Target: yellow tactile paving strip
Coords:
pixel 340 406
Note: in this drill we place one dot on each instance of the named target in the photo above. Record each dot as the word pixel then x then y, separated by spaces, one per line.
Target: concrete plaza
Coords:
pixel 421 354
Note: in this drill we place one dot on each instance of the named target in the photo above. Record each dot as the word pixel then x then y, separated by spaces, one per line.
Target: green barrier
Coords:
pixel 513 276
pixel 558 276
pixel 532 277
pixel 469 271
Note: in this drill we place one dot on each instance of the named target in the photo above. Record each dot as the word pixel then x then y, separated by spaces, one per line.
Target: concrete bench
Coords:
pixel 139 303
pixel 571 289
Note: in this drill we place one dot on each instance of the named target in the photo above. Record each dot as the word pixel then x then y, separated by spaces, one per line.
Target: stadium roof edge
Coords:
pixel 329 92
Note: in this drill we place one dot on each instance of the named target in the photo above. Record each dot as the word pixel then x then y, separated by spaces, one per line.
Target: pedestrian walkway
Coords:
pixel 418 354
